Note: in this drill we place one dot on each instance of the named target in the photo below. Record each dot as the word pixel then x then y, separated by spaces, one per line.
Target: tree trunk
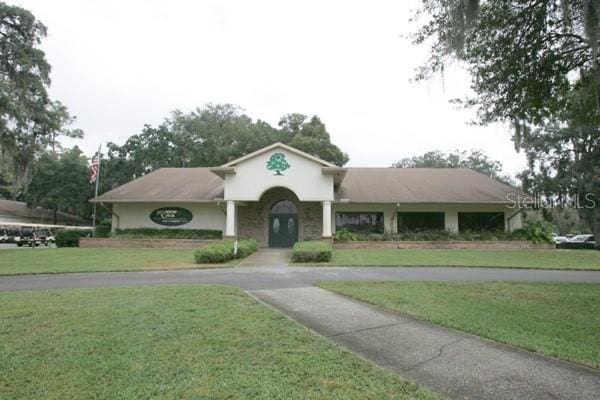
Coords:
pixel 596 232
pixel 592 218
pixel 22 179
pixel 55 216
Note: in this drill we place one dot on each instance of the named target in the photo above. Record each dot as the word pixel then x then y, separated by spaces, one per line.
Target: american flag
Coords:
pixel 94 168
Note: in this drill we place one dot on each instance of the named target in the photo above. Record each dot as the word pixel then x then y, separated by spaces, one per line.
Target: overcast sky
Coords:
pixel 118 65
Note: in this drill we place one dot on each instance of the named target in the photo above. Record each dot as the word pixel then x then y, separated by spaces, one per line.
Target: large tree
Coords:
pixel 5 177
pixel 476 160
pixel 564 156
pixel 310 136
pixel 534 64
pixel 211 136
pixel 60 183
pixel 520 53
pixel 30 121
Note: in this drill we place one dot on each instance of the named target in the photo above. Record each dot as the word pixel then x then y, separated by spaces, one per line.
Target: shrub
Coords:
pixel 222 251
pixel 102 231
pixel 427 235
pixel 345 235
pixel 531 232
pixel 537 232
pixel 317 251
pixel 167 233
pixel 215 253
pixel 70 237
pixel 246 247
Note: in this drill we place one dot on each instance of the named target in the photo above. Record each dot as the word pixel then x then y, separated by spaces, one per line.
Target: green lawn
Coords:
pixel 173 342
pixel 553 259
pixel 38 261
pixel 558 319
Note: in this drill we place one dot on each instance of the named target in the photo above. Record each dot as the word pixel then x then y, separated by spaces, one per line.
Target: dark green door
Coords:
pixel 283 224
pixel 283 230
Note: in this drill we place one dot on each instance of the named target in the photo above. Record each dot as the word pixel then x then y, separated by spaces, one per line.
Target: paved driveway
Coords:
pixel 255 278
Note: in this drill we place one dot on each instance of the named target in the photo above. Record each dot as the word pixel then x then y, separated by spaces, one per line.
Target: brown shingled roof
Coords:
pixel 360 185
pixel 168 184
pixel 421 185
pixel 20 210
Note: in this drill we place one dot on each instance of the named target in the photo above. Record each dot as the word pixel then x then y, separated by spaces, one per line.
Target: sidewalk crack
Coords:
pixel 435 357
pixel 367 329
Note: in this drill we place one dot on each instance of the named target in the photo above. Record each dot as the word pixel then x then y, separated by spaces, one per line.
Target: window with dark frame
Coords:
pixel 480 221
pixel 284 207
pixel 368 222
pixel 421 221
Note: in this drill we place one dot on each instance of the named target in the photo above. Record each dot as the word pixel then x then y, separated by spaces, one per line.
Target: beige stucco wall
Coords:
pixel 253 216
pixel 304 178
pixel 450 210
pixel 137 215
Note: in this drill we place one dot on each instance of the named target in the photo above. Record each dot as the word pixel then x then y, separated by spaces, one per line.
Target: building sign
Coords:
pixel 277 163
pixel 171 216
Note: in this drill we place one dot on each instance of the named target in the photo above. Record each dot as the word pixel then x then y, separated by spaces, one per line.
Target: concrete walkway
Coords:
pixel 453 363
pixel 268 258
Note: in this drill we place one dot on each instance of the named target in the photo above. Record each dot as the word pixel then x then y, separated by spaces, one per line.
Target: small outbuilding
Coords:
pixel 18 212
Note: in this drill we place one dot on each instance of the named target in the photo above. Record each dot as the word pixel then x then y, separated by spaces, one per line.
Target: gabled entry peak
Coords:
pixel 276 146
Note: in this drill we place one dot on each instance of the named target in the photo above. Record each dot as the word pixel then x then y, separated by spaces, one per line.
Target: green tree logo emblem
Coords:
pixel 277 163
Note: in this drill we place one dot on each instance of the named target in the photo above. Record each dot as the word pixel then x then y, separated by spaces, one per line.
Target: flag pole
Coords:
pixel 96 192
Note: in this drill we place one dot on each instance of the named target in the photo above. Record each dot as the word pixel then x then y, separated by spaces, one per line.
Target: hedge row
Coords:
pixel 154 233
pixel 534 232
pixel 70 237
pixel 313 251
pixel 223 251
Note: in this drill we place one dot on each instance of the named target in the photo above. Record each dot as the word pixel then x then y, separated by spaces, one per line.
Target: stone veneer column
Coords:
pixel 230 222
pixel 326 219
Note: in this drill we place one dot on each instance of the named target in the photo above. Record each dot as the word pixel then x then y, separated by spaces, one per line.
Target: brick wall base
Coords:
pixel 141 243
pixel 481 245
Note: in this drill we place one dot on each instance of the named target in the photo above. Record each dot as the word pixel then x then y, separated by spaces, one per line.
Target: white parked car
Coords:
pixel 582 238
pixel 559 239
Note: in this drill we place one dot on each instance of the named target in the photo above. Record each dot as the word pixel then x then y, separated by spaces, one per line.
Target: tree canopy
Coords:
pixel 476 160
pixel 310 136
pixel 29 120
pixel 60 183
pixel 534 64
pixel 520 54
pixel 212 136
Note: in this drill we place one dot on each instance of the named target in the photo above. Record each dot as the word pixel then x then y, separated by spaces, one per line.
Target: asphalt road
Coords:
pixel 257 278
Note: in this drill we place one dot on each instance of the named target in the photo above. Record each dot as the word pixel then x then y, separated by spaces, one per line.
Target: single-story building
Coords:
pixel 280 195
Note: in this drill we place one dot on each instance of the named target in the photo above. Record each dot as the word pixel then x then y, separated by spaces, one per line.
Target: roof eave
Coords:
pixel 222 171
pixel 98 201
pixel 338 173
pixel 388 201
